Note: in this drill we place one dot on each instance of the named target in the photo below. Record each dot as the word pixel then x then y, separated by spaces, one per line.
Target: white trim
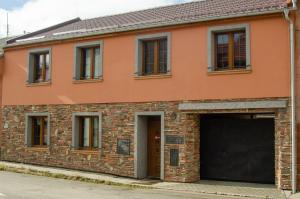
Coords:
pixel 30 39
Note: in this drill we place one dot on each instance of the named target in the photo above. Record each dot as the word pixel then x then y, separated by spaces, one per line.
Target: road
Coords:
pixel 21 186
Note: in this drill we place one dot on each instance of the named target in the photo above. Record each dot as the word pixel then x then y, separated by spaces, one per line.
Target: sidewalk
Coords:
pixel 240 190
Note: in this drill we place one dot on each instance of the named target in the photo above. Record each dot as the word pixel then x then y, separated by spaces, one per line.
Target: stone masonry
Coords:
pixel 118 122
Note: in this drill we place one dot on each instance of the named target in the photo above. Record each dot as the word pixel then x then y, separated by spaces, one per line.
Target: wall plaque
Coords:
pixel 174 157
pixel 123 146
pixel 172 139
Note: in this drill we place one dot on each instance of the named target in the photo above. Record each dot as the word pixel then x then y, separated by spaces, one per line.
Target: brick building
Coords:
pixel 181 93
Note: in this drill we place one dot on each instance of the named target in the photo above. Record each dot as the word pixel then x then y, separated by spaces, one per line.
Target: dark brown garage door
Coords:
pixel 237 148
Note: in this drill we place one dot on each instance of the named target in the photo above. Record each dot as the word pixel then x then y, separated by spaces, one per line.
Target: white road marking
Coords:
pixel 2 195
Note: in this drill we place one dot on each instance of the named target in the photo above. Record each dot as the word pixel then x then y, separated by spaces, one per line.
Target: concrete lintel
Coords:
pixel 233 105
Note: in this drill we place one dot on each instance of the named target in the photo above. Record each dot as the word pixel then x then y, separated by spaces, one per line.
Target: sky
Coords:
pixel 30 15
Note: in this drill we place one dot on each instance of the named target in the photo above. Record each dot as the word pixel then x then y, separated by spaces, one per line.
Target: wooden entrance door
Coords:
pixel 154 133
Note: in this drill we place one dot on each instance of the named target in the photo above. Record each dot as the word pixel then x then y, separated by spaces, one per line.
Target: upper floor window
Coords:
pixel 229 48
pixel 153 54
pixel 37 132
pixel 88 61
pixel 39 67
pixel 155 57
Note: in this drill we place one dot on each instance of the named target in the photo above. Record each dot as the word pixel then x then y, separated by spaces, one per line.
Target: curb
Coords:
pixel 78 178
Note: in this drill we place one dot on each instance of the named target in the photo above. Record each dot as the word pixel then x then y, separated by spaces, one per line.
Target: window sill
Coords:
pixel 38 148
pixel 83 81
pixel 230 72
pixel 38 84
pixel 85 151
pixel 162 76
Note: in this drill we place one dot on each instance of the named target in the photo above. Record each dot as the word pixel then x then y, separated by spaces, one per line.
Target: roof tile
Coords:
pixel 180 13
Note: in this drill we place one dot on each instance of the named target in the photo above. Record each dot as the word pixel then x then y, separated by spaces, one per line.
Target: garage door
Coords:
pixel 237 148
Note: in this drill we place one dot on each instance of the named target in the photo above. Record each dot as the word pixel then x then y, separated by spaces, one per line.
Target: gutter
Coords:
pixel 161 24
pixel 293 98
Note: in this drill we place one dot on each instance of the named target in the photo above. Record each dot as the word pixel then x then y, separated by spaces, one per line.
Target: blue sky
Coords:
pixel 31 15
pixel 11 4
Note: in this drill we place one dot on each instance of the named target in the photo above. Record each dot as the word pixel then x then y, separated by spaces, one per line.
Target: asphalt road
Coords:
pixel 20 186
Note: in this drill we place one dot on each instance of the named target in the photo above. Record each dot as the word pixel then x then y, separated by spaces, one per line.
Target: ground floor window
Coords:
pixel 37 131
pixel 86 131
pixel 89 132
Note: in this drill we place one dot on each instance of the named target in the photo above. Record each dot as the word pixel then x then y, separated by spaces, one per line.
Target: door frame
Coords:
pixel 137 156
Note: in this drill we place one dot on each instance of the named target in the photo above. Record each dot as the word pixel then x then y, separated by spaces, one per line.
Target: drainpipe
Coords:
pixel 294 3
pixel 293 99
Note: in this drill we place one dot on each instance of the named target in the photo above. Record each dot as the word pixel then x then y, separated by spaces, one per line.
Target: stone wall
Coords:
pixel 118 122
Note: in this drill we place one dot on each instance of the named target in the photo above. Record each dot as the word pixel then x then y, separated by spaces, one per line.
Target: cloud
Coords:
pixel 38 14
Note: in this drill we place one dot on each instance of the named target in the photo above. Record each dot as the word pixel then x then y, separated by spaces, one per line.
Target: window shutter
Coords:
pixel 28 134
pixel 100 132
pixel 139 57
pixel 75 133
pixel 49 131
pixel 30 68
pixel 77 60
pixel 101 62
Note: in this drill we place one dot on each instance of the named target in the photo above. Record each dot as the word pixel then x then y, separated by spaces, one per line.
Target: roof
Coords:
pixel 3 43
pixel 192 12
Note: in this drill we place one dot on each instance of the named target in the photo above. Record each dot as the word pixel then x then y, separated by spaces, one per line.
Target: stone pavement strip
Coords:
pixel 247 190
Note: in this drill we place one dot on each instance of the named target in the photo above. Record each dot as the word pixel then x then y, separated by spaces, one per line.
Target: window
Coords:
pixel 88 61
pixel 153 54
pixel 229 48
pixel 86 131
pixel 37 131
pixel 155 57
pixel 39 69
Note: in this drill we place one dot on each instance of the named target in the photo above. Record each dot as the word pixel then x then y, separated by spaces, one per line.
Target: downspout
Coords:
pixel 293 98
pixel 294 3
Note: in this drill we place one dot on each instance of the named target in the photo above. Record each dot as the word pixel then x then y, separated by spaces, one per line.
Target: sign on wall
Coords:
pixel 123 147
pixel 174 157
pixel 173 139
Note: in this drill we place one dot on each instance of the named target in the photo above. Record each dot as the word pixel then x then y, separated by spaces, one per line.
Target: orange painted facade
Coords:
pixel 189 80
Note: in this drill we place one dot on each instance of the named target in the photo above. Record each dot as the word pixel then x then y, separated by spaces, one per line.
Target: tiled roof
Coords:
pixel 3 43
pixel 161 16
